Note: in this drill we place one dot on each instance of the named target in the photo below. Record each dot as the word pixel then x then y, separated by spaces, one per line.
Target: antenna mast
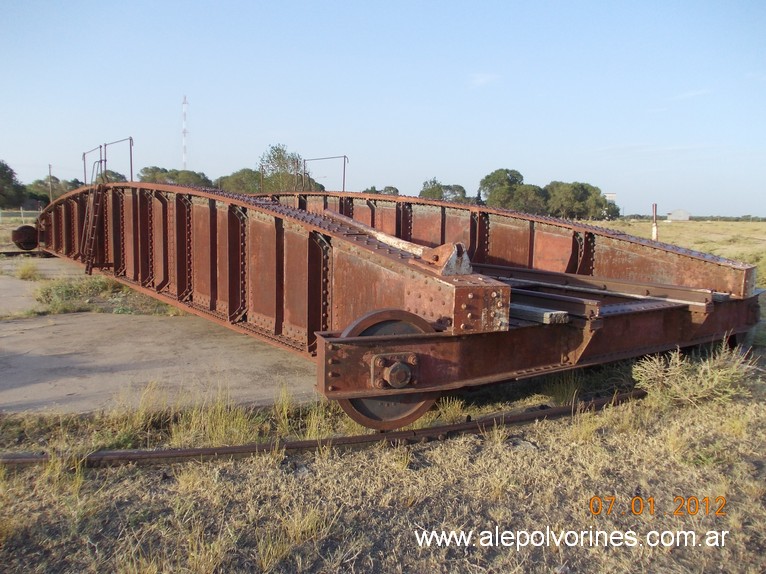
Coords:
pixel 184 106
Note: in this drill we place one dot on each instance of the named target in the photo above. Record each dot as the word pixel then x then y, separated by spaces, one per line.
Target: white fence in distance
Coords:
pixel 21 216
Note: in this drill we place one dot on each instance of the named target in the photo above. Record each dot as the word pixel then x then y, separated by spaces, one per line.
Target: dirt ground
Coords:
pixel 83 362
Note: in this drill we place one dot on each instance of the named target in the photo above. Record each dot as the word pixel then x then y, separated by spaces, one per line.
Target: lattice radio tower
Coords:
pixel 184 131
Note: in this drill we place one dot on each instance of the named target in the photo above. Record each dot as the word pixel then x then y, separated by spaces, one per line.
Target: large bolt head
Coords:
pixel 398 375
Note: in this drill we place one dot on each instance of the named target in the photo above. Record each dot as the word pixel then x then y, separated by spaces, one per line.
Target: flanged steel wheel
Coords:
pixel 391 411
pixel 25 237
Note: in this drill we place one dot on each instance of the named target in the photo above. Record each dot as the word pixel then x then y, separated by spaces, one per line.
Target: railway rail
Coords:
pixel 441 432
pixel 399 299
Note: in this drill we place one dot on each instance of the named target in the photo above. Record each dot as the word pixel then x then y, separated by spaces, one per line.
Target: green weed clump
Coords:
pixel 28 271
pixel 99 293
pixel 678 379
pixel 564 388
pixel 71 296
pixel 451 410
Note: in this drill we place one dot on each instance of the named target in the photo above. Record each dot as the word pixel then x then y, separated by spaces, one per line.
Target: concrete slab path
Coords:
pixel 85 362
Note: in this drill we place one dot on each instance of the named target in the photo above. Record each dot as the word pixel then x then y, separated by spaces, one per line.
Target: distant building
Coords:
pixel 679 215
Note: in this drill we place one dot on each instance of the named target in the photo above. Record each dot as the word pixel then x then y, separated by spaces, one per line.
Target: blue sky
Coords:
pixel 655 101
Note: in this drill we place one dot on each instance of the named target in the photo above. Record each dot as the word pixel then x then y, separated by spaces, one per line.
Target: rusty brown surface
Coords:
pixel 288 266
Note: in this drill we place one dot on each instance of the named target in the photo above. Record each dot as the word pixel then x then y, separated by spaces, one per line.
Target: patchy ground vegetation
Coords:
pixel 100 294
pixel 700 433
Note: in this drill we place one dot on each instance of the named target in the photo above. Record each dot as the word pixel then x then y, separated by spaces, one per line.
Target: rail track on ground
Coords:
pixel 485 424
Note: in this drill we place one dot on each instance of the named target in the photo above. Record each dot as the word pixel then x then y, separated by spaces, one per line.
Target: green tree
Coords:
pixel 281 169
pixel 154 174
pixel 454 193
pixel 190 178
pixel 530 199
pixel 72 184
pixel 563 200
pixel 42 189
pixel 611 211
pixel 432 189
pixel 388 190
pixel 11 190
pixel 247 181
pixel 110 176
pixel 499 187
pixel 579 201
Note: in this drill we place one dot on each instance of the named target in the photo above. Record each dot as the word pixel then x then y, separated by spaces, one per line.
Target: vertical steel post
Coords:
pixel 345 161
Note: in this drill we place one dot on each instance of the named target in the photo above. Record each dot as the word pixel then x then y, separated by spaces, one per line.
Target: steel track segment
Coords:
pixel 40 254
pixel 167 456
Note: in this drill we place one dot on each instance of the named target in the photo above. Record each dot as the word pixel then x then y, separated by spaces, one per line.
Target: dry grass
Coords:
pixel 702 433
pixel 216 423
pixel 676 379
pixel 27 271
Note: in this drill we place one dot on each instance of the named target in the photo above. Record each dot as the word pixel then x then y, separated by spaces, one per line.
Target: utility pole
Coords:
pixel 50 183
pixel 184 106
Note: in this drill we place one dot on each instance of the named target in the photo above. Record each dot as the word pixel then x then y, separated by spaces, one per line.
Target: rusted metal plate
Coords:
pixel 130 233
pixel 639 261
pixel 363 212
pixel 457 226
pixel 386 217
pixel 426 224
pixel 508 242
pixel 316 203
pixel 68 226
pixel 296 281
pixel 159 243
pixel 554 249
pixel 145 202
pixel 224 260
pixel 204 251
pixel 382 283
pixel 265 271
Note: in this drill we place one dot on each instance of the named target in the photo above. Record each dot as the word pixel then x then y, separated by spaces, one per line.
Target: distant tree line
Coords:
pixel 280 169
pixel 506 188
